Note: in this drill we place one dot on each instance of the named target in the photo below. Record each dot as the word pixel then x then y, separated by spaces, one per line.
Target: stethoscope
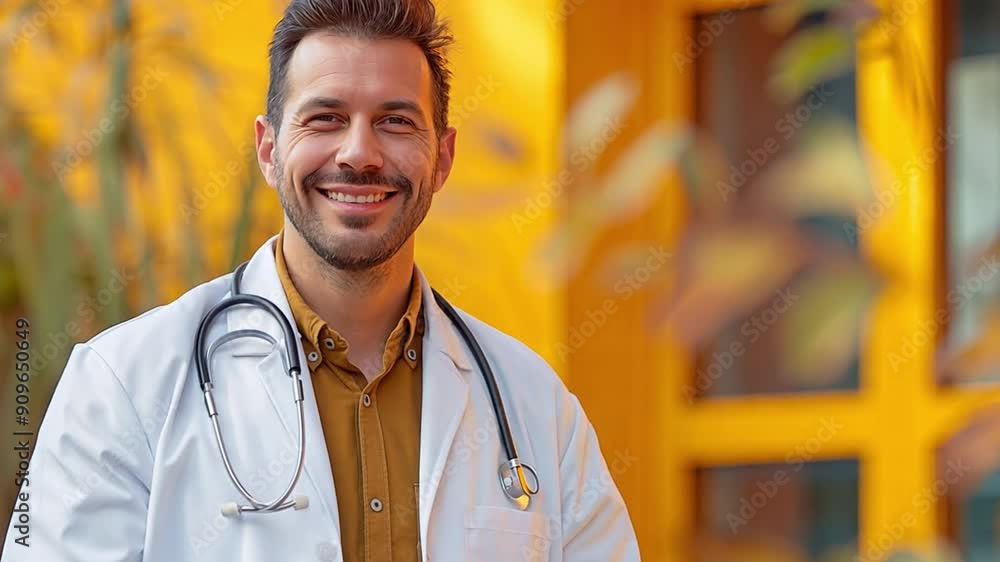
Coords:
pixel 513 473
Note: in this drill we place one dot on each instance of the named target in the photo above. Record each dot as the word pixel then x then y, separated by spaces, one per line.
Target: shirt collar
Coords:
pixel 410 326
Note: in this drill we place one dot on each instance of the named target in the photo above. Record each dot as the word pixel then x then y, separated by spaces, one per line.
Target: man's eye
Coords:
pixel 327 117
pixel 396 120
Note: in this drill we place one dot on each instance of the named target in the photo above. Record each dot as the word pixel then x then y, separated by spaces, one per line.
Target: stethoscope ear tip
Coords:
pixel 301 502
pixel 230 509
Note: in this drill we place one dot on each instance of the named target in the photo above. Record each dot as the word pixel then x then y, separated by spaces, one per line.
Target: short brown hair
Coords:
pixel 413 20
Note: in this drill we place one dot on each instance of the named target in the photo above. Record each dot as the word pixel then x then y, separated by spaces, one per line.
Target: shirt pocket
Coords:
pixel 497 533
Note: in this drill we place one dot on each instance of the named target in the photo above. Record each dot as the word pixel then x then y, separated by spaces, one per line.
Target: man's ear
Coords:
pixel 446 157
pixel 265 138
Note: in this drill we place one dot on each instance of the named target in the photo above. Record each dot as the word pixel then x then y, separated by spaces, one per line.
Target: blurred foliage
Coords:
pixel 66 265
pixel 61 250
pixel 735 252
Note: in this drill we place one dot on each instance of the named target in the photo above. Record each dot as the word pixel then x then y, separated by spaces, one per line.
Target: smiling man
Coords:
pixel 428 435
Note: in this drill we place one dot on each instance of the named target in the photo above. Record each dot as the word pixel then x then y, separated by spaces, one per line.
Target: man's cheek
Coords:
pixel 310 154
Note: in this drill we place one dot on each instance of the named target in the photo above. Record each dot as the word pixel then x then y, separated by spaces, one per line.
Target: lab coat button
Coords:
pixel 326 552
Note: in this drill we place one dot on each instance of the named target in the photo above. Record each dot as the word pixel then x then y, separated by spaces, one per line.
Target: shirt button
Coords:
pixel 329 343
pixel 411 354
pixel 376 505
pixel 312 357
pixel 366 399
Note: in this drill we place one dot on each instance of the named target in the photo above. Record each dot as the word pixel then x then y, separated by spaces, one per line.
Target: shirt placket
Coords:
pixel 374 478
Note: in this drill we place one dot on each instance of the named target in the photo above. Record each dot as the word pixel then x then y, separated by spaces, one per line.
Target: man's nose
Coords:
pixel 360 149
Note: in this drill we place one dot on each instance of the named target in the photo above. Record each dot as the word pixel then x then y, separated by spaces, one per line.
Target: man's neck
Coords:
pixel 362 306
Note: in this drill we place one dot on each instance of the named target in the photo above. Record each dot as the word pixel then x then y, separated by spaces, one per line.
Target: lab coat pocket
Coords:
pixel 497 533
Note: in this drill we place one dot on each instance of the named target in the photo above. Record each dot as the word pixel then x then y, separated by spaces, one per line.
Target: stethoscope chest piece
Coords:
pixel 516 484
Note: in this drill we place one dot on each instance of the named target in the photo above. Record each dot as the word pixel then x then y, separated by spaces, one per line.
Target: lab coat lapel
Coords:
pixel 261 278
pixel 446 367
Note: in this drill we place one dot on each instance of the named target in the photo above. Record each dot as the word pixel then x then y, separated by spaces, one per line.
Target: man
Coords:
pixel 402 444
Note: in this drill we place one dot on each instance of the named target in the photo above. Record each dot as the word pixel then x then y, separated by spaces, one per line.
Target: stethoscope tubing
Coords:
pixel 512 474
pixel 484 366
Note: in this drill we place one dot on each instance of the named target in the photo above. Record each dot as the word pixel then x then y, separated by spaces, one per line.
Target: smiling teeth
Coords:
pixel 348 198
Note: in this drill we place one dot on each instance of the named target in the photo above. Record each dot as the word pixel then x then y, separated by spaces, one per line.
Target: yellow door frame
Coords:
pixel 632 385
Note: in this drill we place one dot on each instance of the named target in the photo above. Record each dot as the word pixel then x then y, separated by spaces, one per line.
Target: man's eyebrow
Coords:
pixel 402 105
pixel 325 102
pixel 321 102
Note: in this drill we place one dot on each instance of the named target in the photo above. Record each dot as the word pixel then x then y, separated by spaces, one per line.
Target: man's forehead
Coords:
pixel 390 67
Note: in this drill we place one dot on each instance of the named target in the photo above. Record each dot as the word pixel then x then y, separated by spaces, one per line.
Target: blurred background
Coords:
pixel 758 239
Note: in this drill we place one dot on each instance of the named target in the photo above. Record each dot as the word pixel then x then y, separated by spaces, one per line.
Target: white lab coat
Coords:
pixel 126 467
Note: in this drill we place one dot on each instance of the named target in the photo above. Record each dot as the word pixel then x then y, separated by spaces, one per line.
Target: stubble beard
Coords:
pixel 351 255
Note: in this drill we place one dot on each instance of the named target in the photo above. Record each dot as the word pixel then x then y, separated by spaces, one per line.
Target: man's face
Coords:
pixel 356 161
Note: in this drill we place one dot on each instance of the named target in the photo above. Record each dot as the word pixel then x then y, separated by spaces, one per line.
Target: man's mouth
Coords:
pixel 358 198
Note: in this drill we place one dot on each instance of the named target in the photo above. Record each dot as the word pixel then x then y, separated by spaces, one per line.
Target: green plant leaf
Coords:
pixel 561 252
pixel 597 115
pixel 782 16
pixel 822 330
pixel 634 177
pixel 703 168
pixel 244 216
pixel 825 176
pixel 723 271
pixel 811 56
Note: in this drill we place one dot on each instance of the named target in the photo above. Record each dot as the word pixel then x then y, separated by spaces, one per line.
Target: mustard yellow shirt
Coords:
pixel 372 430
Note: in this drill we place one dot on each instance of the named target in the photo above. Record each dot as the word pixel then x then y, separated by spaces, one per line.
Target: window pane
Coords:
pixel 978 522
pixel 973 201
pixel 733 106
pixel 973 177
pixel 792 511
